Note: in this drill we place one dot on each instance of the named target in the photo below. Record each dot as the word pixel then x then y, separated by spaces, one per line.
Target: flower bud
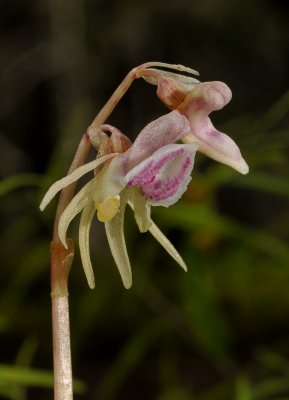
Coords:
pixel 117 142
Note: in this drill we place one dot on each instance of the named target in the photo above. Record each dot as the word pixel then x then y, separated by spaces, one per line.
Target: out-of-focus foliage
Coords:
pixel 218 332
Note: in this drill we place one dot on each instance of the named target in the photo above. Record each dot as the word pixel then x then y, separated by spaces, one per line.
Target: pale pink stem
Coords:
pixel 61 260
pixel 61 348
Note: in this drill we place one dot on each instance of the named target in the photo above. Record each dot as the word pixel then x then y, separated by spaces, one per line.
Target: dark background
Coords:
pixel 221 330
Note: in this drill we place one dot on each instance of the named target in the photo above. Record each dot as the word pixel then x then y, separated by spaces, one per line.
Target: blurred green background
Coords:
pixel 219 331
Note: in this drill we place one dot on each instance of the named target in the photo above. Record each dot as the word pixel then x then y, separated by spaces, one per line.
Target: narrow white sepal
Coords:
pixel 84 229
pixel 167 245
pixel 115 235
pixel 188 81
pixel 142 210
pixel 73 177
pixel 177 67
pixel 78 202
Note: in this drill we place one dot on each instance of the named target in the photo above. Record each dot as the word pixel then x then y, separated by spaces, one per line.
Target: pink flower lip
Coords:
pixel 164 176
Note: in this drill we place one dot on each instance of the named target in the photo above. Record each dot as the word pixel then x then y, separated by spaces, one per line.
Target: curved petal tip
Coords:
pixel 243 167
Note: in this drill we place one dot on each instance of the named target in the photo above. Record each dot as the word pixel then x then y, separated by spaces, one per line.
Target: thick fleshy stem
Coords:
pixel 61 258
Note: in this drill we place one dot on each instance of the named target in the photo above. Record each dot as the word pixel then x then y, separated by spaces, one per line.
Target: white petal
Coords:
pixel 73 177
pixel 167 245
pixel 163 177
pixel 115 235
pixel 78 202
pixel 84 229
pixel 142 210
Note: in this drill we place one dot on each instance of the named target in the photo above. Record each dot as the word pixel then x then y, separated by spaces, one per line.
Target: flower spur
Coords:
pixel 152 171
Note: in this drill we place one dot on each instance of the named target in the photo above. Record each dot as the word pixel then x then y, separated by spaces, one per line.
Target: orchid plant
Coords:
pixel 153 171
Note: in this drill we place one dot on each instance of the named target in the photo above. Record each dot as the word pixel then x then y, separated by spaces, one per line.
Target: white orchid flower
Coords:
pixel 154 171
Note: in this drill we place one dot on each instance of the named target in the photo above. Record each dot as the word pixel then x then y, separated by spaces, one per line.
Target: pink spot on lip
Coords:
pixel 157 185
pixel 214 133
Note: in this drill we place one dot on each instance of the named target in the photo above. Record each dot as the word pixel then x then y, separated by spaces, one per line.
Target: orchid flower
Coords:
pixel 196 100
pixel 153 171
